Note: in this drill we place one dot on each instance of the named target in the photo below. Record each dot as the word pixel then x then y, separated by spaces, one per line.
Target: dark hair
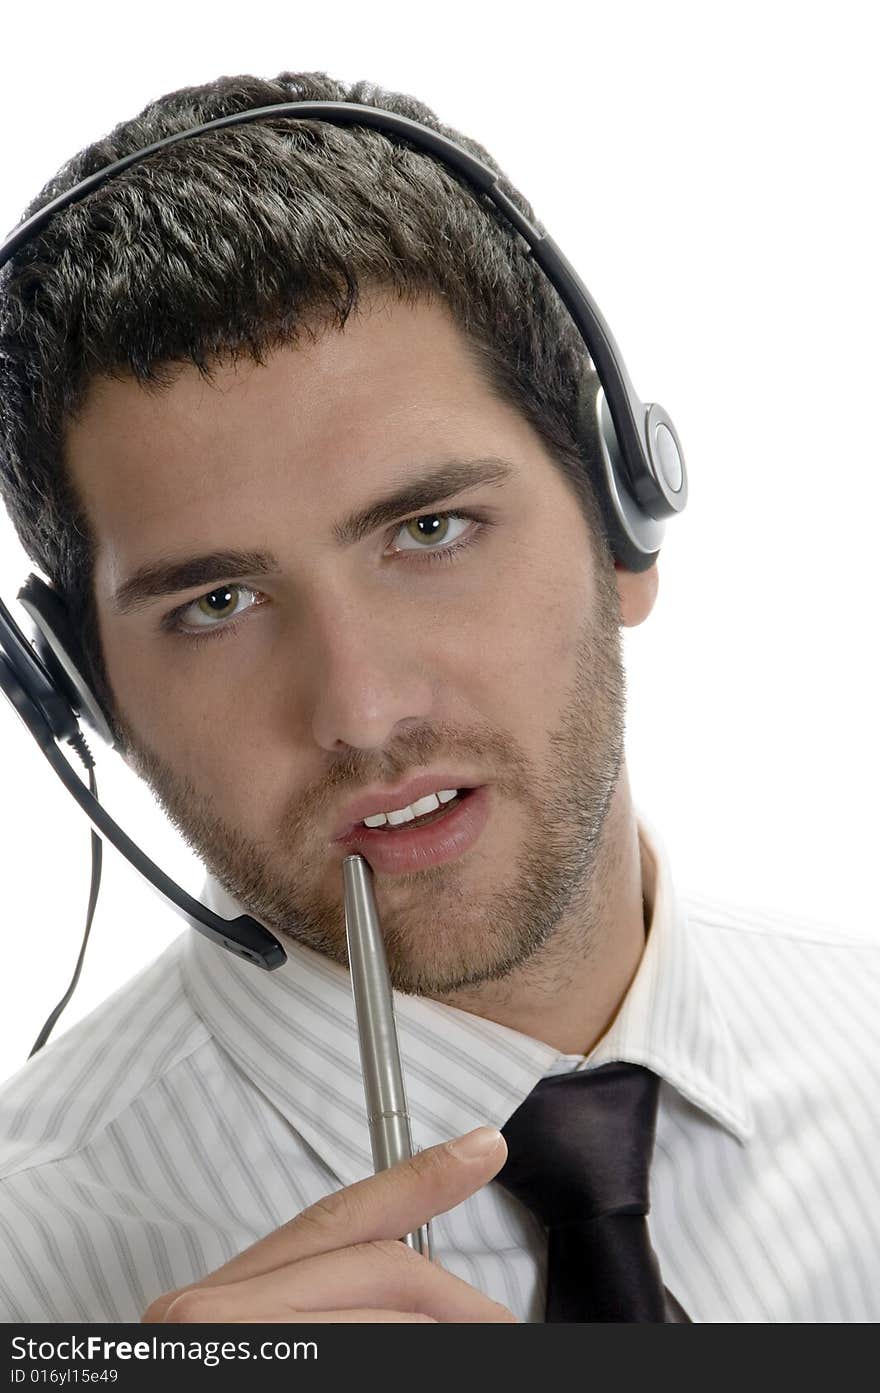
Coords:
pixel 232 244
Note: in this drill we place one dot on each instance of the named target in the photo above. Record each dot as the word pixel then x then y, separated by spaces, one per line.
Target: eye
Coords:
pixel 432 529
pixel 209 610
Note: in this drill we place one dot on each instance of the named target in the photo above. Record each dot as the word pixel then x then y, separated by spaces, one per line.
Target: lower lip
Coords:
pixel 417 848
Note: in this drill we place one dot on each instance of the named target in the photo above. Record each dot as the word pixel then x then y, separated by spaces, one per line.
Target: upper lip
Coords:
pixel 384 800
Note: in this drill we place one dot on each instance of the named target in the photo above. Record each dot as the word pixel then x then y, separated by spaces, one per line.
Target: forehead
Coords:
pixel 314 419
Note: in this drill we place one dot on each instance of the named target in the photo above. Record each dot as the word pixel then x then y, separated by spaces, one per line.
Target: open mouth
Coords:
pixel 432 839
pixel 426 818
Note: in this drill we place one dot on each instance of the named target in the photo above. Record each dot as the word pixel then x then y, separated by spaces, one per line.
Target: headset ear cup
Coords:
pixel 60 651
pixel 594 452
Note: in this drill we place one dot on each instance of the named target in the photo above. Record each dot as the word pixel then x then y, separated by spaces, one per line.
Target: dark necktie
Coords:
pixel 579 1151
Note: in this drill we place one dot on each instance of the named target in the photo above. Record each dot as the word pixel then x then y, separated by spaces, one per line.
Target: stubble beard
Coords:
pixel 443 935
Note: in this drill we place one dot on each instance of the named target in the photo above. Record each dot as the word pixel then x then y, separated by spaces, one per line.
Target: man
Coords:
pixel 295 428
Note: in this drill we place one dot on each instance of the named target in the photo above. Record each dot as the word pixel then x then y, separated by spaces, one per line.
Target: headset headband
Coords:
pixel 645 454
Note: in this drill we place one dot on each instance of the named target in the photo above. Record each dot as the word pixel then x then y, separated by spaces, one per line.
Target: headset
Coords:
pixel 635 445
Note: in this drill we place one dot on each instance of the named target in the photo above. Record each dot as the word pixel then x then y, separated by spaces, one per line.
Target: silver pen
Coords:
pixel 387 1112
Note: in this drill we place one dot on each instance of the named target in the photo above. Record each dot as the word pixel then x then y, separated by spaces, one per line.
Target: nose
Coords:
pixel 368 676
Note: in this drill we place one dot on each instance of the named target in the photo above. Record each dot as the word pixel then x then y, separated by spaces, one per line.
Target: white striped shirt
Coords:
pixel 205 1103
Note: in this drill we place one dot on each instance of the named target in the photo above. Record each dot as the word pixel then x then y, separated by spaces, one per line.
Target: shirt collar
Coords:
pixel 293 1034
pixel 670 1020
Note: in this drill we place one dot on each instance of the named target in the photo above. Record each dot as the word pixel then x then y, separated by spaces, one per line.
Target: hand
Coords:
pixel 342 1259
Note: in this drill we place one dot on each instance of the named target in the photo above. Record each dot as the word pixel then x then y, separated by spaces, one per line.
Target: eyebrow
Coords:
pixel 168 577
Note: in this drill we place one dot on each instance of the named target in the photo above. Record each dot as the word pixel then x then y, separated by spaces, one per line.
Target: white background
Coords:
pixel 711 170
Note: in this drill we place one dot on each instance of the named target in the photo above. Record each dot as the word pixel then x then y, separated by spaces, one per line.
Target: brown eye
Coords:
pixel 219 604
pixel 210 612
pixel 433 532
pixel 432 527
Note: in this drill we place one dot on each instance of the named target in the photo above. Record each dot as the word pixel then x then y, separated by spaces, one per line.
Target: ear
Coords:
pixel 637 591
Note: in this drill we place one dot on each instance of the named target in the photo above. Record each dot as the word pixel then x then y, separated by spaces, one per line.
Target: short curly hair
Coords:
pixel 231 244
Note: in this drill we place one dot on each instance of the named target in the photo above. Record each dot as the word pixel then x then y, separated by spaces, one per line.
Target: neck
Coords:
pixel 570 994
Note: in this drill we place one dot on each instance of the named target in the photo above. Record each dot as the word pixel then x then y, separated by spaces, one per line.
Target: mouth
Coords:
pixel 431 840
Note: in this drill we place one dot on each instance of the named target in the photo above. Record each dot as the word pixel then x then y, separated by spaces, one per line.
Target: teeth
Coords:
pixel 428 804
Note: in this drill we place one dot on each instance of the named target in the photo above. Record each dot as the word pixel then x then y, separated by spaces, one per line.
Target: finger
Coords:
pixel 385 1275
pixel 397 1201
pixel 361 1317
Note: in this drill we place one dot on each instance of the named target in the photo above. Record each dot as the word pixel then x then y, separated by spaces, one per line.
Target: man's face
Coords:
pixel 482 648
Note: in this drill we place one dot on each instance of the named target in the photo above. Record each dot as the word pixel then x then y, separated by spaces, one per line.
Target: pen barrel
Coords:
pixel 384 1091
pixel 387 1112
pixel 390 1136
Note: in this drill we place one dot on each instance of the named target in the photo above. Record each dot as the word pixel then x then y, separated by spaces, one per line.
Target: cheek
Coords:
pixel 519 645
pixel 203 731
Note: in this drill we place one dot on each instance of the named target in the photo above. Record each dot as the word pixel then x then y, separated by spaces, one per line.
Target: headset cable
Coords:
pixel 85 755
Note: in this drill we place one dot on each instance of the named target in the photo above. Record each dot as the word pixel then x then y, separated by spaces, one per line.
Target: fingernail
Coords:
pixel 477 1143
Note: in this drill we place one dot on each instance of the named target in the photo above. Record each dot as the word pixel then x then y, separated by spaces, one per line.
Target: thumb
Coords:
pixel 386 1205
pixel 395 1201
